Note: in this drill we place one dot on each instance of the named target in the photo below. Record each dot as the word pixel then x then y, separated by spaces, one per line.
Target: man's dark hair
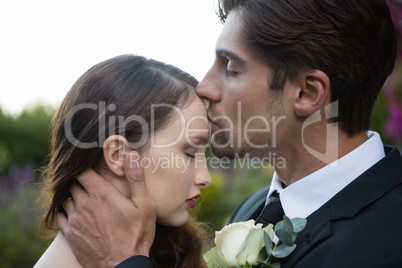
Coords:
pixel 352 41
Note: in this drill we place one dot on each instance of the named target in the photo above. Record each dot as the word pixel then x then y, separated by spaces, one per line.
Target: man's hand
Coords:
pixel 104 227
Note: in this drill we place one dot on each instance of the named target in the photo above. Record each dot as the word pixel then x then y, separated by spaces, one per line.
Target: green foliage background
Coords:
pixel 25 139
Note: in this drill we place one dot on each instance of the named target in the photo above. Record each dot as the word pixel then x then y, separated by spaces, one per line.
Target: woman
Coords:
pixel 131 103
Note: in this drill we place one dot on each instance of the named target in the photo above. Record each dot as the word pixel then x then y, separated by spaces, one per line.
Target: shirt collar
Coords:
pixel 308 194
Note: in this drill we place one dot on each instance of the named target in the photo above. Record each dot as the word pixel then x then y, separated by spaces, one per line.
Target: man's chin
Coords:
pixel 227 152
pixel 222 152
pixel 221 147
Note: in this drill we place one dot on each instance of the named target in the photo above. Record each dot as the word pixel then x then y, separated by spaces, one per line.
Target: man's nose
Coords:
pixel 209 88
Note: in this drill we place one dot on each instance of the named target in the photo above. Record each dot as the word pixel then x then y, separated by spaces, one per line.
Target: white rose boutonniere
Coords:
pixel 237 243
pixel 246 244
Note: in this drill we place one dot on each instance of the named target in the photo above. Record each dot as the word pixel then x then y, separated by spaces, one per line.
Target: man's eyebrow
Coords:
pixel 230 55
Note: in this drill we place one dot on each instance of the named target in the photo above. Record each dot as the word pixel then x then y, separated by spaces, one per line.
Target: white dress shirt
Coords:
pixel 308 194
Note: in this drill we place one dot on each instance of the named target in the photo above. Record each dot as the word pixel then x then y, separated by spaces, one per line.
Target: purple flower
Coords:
pixel 21 175
pixel 393 126
pixel 395 7
pixel 13 182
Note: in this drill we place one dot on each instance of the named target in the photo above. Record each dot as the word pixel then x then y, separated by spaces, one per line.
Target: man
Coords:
pixel 305 74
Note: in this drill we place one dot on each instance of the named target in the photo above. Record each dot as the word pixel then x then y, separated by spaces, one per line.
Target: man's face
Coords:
pixel 243 111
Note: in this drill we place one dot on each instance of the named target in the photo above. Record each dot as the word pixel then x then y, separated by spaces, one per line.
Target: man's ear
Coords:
pixel 313 94
pixel 115 149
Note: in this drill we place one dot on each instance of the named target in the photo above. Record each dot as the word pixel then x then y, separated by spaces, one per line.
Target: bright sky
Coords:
pixel 46 45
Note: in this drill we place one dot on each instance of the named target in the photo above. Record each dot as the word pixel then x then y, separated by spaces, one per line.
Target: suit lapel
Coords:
pixel 251 207
pixel 256 210
pixel 318 228
pixel 362 192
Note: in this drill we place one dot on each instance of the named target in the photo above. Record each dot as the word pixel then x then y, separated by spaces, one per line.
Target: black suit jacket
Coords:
pixel 361 226
pixel 138 261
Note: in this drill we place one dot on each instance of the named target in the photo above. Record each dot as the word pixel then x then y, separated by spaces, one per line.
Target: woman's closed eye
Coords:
pixel 190 155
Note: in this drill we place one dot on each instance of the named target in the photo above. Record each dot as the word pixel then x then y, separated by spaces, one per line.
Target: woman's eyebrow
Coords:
pixel 199 139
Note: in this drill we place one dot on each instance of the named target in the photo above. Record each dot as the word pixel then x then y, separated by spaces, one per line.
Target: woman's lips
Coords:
pixel 191 202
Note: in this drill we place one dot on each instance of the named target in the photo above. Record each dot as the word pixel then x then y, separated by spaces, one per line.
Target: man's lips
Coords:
pixel 211 122
pixel 209 119
pixel 191 201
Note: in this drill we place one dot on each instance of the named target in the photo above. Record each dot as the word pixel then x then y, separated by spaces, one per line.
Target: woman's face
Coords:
pixel 175 166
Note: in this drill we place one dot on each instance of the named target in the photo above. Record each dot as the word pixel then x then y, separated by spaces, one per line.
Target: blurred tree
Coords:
pixel 25 139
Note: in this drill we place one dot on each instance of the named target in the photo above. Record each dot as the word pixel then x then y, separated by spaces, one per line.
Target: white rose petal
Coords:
pixel 230 240
pixel 269 229
pixel 214 258
pixel 251 247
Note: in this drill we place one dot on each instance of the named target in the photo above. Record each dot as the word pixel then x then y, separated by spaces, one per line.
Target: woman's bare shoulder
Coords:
pixel 58 254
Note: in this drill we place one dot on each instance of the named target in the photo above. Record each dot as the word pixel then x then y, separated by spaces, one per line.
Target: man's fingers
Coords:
pixel 65 203
pixel 77 192
pixel 102 225
pixel 62 222
pixel 69 206
pixel 135 177
pixel 92 182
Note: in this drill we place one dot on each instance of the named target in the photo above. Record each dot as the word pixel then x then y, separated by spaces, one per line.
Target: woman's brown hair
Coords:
pixel 118 96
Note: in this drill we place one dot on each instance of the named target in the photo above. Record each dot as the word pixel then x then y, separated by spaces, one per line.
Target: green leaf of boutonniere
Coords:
pixel 268 244
pixel 283 251
pixel 298 224
pixel 284 236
